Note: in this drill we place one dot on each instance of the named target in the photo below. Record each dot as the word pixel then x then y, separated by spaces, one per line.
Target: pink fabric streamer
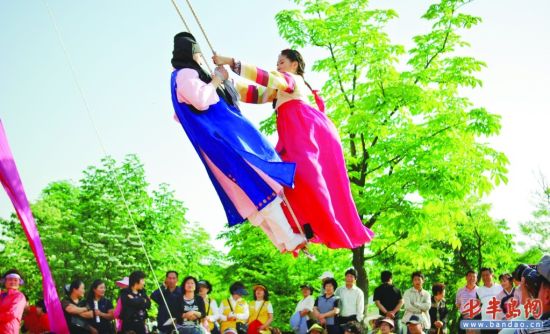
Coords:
pixel 12 183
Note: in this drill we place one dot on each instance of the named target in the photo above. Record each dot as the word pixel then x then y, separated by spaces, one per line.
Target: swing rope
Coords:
pixel 285 200
pixel 104 151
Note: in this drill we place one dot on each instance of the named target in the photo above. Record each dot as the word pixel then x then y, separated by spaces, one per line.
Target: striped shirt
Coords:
pixel 464 295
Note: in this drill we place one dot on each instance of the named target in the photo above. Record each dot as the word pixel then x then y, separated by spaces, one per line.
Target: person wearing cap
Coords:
pixel 386 325
pixel 305 305
pixel 388 299
pixel 543 269
pixel 414 325
pixel 123 284
pixel 169 294
pixel 210 322
pixel 373 322
pixel 261 310
pixel 234 312
pixel 352 299
pixel 316 329
pixel 417 301
pixel 327 307
pixel 12 303
pixel 244 168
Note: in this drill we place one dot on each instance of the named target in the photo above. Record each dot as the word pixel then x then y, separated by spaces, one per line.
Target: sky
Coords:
pixel 121 53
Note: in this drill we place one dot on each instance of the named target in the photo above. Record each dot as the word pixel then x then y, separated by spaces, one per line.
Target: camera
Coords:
pixel 533 279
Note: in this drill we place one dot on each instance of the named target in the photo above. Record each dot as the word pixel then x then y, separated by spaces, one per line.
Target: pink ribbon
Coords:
pixel 12 183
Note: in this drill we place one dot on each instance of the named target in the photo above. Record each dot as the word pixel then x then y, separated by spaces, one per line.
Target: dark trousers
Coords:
pixel 137 327
pixel 345 320
pixel 333 329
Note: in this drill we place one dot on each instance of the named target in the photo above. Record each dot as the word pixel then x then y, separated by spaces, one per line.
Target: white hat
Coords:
pixel 326 274
pixel 123 283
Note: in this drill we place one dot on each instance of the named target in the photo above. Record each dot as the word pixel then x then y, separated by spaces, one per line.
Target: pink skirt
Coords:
pixel 322 195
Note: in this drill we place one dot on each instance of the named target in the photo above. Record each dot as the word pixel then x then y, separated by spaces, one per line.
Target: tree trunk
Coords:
pixel 362 277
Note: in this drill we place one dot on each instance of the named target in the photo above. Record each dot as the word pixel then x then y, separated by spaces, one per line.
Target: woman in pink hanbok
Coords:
pixel 321 197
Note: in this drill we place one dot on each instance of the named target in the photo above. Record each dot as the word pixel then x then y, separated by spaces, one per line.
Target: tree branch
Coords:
pixel 399 238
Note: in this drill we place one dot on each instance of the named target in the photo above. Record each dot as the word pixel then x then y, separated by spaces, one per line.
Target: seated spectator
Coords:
pixel 386 325
pixel 316 329
pixel 438 310
pixel 414 325
pixel 353 327
pixel 192 307
pixel 36 319
pixel 12 303
pixel 373 323
pixel 210 321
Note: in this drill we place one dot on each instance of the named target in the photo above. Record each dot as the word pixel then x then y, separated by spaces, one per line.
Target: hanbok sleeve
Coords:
pixel 192 90
pixel 276 80
pixel 254 93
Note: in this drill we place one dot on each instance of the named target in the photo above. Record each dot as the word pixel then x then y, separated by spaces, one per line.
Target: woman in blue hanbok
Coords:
pixel 245 170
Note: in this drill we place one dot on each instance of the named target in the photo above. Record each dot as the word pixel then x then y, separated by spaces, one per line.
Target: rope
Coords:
pixel 200 26
pixel 189 30
pixel 104 150
pixel 213 52
pixel 181 16
pixel 307 253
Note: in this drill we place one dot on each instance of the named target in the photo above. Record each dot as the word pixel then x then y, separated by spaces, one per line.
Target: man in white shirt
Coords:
pixel 352 299
pixel 486 292
pixel 303 309
pixel 417 302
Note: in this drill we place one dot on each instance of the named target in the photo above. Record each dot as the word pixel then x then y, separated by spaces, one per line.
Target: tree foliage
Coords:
pixel 538 229
pixel 88 230
pixel 414 144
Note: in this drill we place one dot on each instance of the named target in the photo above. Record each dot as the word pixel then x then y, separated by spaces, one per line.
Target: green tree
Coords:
pixel 413 142
pixel 538 229
pixel 252 259
pixel 88 230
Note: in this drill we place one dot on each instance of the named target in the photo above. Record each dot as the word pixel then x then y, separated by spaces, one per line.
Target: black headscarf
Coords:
pixel 185 45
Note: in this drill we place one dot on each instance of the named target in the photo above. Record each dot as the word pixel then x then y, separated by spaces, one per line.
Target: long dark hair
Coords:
pixel 91 294
pixel 294 55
